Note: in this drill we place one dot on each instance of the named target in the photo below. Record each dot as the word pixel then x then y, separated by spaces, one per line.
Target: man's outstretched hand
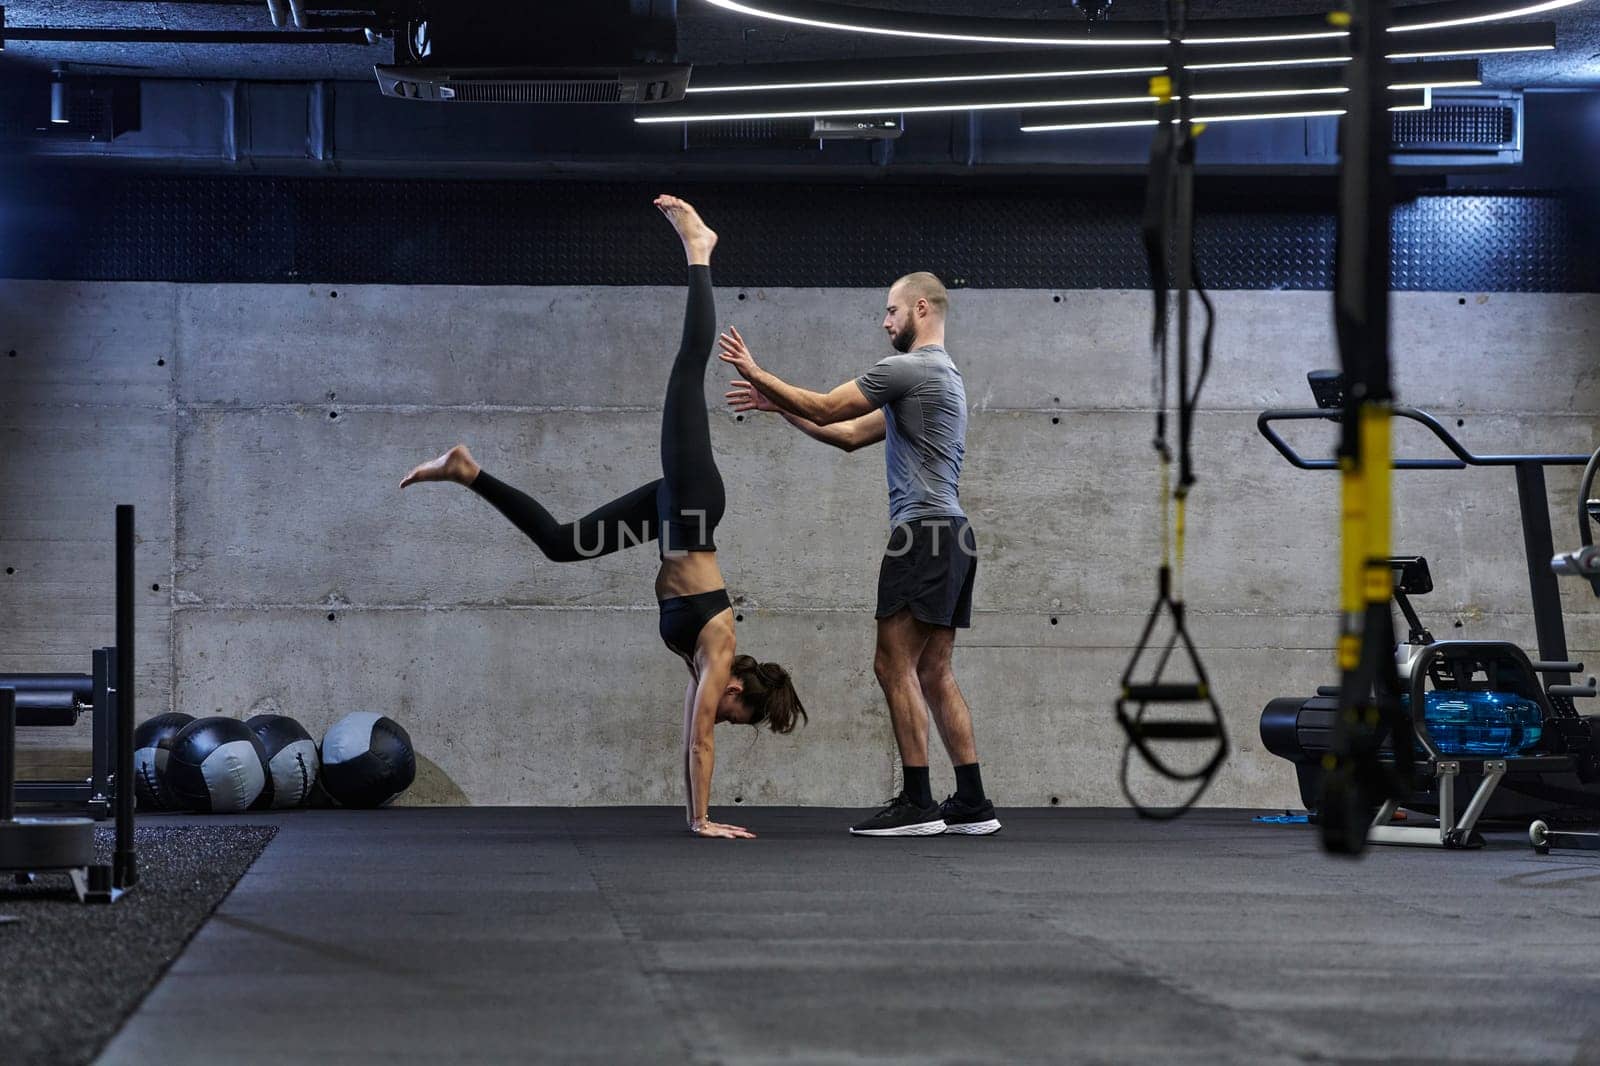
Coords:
pixel 743 396
pixel 735 352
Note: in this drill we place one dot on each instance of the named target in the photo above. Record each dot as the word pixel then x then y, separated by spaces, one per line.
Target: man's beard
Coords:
pixel 904 338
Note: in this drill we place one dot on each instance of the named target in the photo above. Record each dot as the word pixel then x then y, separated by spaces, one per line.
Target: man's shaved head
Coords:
pixel 917 306
pixel 924 286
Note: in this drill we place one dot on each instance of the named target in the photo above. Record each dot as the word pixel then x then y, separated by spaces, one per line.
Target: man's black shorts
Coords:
pixel 929 566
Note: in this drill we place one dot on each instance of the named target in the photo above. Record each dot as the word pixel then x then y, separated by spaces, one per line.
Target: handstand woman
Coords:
pixel 681 511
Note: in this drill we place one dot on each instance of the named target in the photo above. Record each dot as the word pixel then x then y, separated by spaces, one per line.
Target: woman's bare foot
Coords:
pixel 698 238
pixel 455 465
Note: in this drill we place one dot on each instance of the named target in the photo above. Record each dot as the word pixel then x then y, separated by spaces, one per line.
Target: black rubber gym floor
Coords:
pixel 606 935
pixel 70 973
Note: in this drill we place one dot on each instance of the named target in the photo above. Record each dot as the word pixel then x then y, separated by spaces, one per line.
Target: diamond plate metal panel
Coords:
pixel 107 225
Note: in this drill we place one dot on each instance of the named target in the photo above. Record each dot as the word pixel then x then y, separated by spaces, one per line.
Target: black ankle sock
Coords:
pixel 969 783
pixel 917 787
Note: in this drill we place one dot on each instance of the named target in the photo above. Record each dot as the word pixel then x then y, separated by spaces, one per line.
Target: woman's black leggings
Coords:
pixel 682 509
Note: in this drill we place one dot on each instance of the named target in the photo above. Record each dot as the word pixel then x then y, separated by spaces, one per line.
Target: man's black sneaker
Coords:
pixel 970 819
pixel 902 818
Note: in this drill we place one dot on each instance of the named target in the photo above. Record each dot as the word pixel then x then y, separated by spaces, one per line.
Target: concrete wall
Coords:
pixel 262 430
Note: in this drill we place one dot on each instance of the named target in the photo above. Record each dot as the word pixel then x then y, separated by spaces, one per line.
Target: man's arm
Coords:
pixel 843 404
pixel 823 409
pixel 846 436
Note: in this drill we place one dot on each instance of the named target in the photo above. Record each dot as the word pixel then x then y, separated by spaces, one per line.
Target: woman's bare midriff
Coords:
pixel 688 574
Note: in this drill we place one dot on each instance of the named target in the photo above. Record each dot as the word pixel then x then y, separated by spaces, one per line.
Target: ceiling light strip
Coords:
pixel 980 30
pixel 925 99
pixel 1413 20
pixel 1258 116
pixel 654 117
pixel 1038 64
pixel 1146 122
pixel 924 80
pixel 1129 116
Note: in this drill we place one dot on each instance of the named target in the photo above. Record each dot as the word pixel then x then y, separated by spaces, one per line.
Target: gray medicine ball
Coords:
pixel 152 745
pixel 367 760
pixel 292 763
pixel 216 766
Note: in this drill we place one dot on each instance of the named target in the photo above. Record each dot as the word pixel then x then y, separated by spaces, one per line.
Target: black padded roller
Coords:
pixel 80 685
pixel 47 708
pixel 1165 694
pixel 1177 730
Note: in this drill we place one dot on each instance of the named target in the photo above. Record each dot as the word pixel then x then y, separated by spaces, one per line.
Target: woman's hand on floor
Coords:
pixel 716 829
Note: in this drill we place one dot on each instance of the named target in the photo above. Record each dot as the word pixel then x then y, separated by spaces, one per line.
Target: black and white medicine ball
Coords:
pixel 292 762
pixel 152 743
pixel 367 760
pixel 216 766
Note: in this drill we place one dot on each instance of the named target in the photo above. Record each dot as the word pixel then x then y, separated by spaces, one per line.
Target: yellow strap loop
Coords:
pixel 1177 580
pixel 1366 527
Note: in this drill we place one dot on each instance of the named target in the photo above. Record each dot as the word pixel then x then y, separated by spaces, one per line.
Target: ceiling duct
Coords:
pixel 1480 124
pixel 765 133
pixel 73 109
pixel 513 52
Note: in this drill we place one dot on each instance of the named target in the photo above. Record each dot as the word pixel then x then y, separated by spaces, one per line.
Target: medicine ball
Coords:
pixel 292 763
pixel 367 760
pixel 152 744
pixel 216 766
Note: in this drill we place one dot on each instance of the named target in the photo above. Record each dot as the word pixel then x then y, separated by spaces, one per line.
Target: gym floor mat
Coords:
pixel 609 935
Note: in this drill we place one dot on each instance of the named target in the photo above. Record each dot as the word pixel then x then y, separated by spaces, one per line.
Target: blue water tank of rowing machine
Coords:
pixel 1485 724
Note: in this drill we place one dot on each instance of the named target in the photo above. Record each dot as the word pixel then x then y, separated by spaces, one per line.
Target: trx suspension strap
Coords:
pixel 1356 780
pixel 1169 228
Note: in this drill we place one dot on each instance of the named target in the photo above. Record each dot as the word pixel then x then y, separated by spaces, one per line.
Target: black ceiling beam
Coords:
pixel 111 35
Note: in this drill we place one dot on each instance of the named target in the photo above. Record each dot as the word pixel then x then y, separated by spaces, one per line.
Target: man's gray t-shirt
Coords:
pixel 924 404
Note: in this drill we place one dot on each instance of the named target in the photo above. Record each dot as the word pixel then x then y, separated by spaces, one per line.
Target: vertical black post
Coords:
pixel 1539 544
pixel 125 869
pixel 8 754
pixel 1369 695
pixel 103 734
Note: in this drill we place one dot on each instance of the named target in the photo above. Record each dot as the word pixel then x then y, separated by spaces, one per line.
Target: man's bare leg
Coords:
pixel 969 811
pixel 943 696
pixel 455 465
pixel 901 639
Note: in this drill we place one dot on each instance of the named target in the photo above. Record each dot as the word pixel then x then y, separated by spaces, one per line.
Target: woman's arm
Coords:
pixel 688 732
pixel 716 666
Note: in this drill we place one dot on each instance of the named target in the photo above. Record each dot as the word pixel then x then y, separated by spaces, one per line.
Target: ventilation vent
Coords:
pixel 1475 125
pixel 89 112
pixel 744 133
pixel 92 114
pixel 533 92
pixel 651 84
